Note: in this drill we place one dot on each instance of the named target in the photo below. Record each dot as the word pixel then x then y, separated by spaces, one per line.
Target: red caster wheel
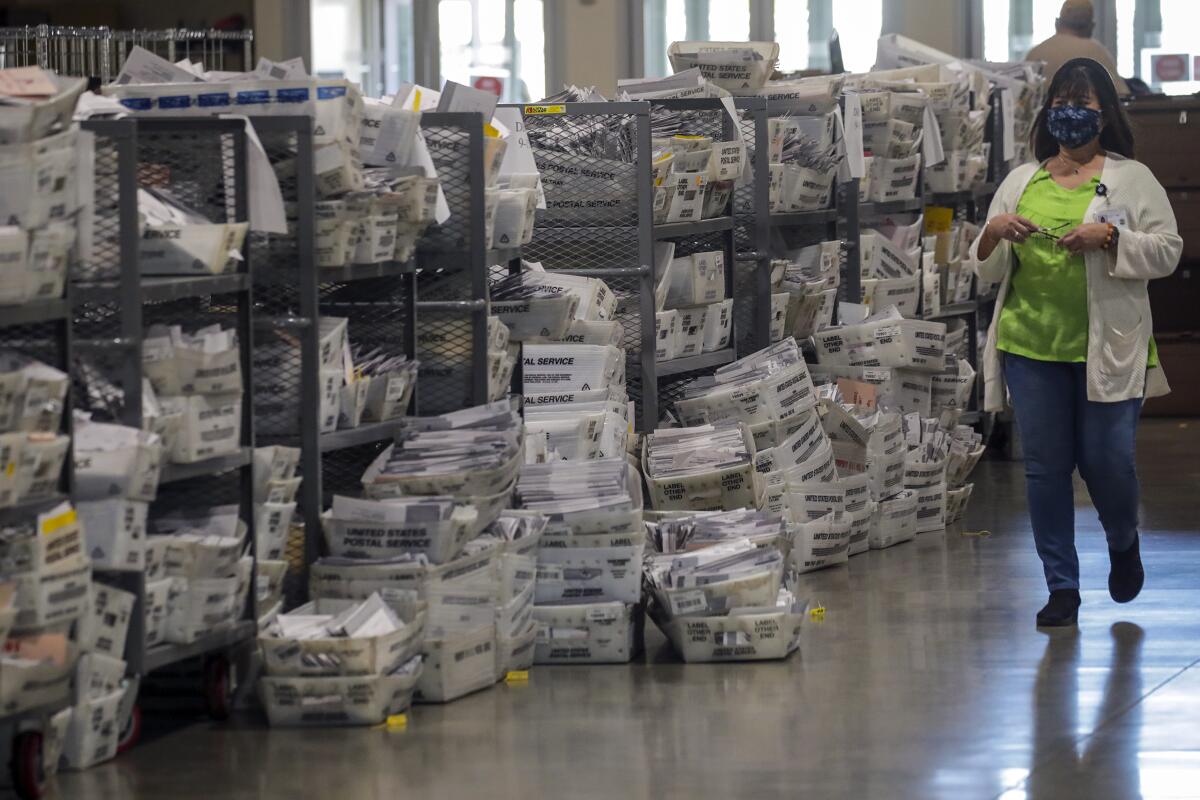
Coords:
pixel 132 730
pixel 216 687
pixel 29 776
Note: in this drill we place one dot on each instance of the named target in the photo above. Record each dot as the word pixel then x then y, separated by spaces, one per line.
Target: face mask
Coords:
pixel 1073 126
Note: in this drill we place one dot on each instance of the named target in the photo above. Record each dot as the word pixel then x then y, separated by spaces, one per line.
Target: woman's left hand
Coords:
pixel 1089 236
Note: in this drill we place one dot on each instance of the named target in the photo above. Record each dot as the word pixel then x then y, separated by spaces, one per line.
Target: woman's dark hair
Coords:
pixel 1073 81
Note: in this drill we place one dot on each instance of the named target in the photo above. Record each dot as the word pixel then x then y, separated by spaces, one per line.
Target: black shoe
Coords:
pixel 1126 577
pixel 1061 611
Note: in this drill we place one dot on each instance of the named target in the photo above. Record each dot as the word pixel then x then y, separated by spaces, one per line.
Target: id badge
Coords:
pixel 1116 215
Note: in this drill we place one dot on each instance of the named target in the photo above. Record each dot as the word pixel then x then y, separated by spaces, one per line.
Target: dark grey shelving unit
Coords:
pixel 204 161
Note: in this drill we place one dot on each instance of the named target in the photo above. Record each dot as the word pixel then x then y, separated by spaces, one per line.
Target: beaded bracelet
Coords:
pixel 1108 239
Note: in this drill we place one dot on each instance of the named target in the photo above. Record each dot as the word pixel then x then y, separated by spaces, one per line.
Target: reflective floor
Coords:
pixel 927 679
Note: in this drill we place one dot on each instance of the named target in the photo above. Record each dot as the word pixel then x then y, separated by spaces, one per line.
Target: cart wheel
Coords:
pixel 216 687
pixel 132 730
pixel 29 777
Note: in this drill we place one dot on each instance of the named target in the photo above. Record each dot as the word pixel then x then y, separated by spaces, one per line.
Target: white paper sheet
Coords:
pixel 266 200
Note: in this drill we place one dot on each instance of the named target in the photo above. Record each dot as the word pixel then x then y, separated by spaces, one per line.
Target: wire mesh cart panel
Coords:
pixel 203 164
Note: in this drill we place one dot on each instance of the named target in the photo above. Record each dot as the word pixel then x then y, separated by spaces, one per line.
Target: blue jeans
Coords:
pixel 1061 430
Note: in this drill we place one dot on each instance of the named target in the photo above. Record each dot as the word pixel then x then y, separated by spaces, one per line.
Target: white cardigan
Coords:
pixel 1119 323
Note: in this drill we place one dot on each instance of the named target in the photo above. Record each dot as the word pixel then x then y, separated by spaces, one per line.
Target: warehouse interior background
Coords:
pixel 918 671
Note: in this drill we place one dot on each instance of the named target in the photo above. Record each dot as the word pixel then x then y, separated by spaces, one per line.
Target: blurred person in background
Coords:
pixel 1073 39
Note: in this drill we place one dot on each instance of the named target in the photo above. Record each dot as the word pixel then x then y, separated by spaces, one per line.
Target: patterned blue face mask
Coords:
pixel 1073 126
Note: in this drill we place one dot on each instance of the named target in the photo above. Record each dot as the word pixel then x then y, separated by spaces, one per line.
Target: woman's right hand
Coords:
pixel 1011 227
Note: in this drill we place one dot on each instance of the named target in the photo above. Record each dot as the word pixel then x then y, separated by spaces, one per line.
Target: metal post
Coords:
pixel 645 205
pixel 478 264
pixel 310 356
pixel 761 336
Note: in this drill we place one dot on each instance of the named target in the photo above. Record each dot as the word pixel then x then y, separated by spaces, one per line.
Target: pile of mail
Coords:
pixel 32 450
pixel 805 153
pixel 341 662
pixel 42 156
pixel 275 487
pixel 966 448
pixel 589 562
pixel 805 295
pixel 694 176
pixel 541 306
pixel 894 123
pixel 197 390
pixel 178 240
pixel 947 280
pixel 884 339
pixel 707 467
pixel 892 264
pixel 768 391
pixel 116 478
pixel 198 566
pixel 741 68
pixel 379 386
pixel 45 584
pixel 693 314
pixel 478 620
pixel 724 600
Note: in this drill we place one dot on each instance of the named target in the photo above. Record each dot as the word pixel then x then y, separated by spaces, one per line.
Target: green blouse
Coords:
pixel 1045 314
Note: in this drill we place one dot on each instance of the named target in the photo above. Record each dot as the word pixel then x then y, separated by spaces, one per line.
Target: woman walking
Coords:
pixel 1073 240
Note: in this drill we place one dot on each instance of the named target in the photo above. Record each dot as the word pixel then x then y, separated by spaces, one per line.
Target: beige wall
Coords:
pixel 594 43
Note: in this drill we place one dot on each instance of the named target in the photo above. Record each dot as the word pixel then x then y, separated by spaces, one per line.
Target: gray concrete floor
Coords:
pixel 927 679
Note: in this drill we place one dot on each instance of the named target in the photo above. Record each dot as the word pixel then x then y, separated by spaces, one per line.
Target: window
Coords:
pixel 501 40
pixel 666 21
pixel 1138 32
pixel 1165 28
pixel 801 27
pixel 381 44
pixel 1012 27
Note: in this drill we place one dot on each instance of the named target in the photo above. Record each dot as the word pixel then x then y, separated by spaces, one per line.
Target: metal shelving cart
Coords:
pixel 203 162
pixel 454 268
pixel 585 150
pixel 98 53
pixel 43 331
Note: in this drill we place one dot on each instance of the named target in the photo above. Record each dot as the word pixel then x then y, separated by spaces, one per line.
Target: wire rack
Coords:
pixel 202 163
pixel 99 52
pixel 595 165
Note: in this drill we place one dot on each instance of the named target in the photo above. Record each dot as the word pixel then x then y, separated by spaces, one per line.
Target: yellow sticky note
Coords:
pixel 397 722
pixel 491 131
pixel 517 676
pixel 545 109
pixel 53 524
pixel 817 614
pixel 938 219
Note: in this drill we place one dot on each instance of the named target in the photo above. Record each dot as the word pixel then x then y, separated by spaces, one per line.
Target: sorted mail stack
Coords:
pixel 947 282
pixel 768 391
pixel 203 555
pixel 515 536
pixel 891 263
pixel 179 240
pixel 966 448
pixel 45 578
pixel 893 126
pixel 41 159
pixel 341 662
pixel 805 154
pixel 197 390
pixel 878 364
pixel 378 386
pixel 578 400
pixel 152 86
pixel 808 284
pixel 275 487
pixel 694 176
pixel 724 600
pixel 693 314
pixel 589 562
pixel 961 124
pixel 32 451
pixel 702 468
